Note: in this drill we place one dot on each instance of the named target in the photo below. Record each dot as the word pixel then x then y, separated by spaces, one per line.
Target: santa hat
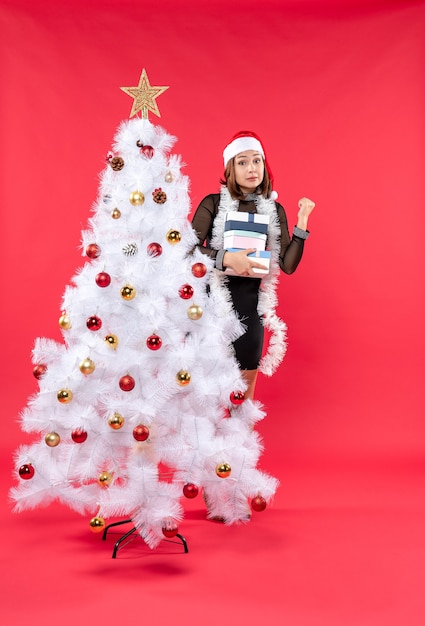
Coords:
pixel 247 140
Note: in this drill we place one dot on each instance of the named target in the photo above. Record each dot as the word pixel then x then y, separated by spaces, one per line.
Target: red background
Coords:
pixel 336 90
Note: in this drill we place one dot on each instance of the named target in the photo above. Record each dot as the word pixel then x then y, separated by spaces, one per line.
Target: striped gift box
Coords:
pixel 252 222
pixel 243 239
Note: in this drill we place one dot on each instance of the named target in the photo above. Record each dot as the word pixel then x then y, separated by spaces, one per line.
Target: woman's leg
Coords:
pixel 250 377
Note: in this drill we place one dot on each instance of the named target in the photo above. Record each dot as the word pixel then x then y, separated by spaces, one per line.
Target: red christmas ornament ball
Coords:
pixel 147 151
pixel 79 435
pixel 154 342
pixel 94 323
pixel 190 490
pixel 92 251
pixel 170 530
pixel 237 397
pixel 141 432
pixel 103 279
pixel 154 249
pixel 186 291
pixel 127 383
pixel 26 472
pixel 199 270
pixel 258 503
pixel 39 370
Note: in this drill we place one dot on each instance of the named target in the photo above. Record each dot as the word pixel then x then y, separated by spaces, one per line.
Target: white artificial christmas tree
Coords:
pixel 142 404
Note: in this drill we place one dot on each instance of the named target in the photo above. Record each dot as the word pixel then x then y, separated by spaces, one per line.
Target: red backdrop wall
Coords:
pixel 336 90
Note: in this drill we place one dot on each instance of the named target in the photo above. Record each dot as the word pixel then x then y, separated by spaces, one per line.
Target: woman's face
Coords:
pixel 249 170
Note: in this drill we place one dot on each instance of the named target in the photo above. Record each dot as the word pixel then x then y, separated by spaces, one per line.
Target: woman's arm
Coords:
pixel 305 208
pixel 291 250
pixel 202 222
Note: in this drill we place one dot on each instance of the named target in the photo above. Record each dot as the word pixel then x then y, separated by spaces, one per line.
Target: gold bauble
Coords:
pixel 173 236
pixel 128 292
pixel 87 366
pixel 105 479
pixel 52 439
pixel 64 322
pixel 116 214
pixel 169 177
pixel 64 396
pixel 97 524
pixel 137 198
pixel 112 341
pixel 183 378
pixel 194 312
pixel 116 421
pixel 223 470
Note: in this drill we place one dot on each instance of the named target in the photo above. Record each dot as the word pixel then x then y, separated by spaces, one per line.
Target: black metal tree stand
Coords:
pixel 132 530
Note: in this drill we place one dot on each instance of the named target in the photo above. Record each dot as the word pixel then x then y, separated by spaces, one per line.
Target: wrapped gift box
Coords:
pixel 263 257
pixel 243 239
pixel 239 220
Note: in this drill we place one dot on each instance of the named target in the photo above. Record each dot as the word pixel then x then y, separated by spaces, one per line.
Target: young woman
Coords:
pixel 248 187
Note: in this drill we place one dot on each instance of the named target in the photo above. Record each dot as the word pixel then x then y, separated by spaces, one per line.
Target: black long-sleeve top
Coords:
pixel 291 250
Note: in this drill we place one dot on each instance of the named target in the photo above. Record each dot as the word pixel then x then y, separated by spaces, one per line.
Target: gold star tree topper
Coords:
pixel 144 96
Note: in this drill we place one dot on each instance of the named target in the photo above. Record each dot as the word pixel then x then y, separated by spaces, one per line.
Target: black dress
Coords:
pixel 244 291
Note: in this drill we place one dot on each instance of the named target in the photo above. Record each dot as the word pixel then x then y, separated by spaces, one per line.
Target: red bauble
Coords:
pixel 186 291
pixel 154 249
pixel 199 270
pixel 170 530
pixel 94 323
pixel 127 383
pixel 154 342
pixel 92 251
pixel 258 503
pixel 39 370
pixel 26 471
pixel 147 151
pixel 190 490
pixel 237 397
pixel 79 435
pixel 103 279
pixel 141 432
